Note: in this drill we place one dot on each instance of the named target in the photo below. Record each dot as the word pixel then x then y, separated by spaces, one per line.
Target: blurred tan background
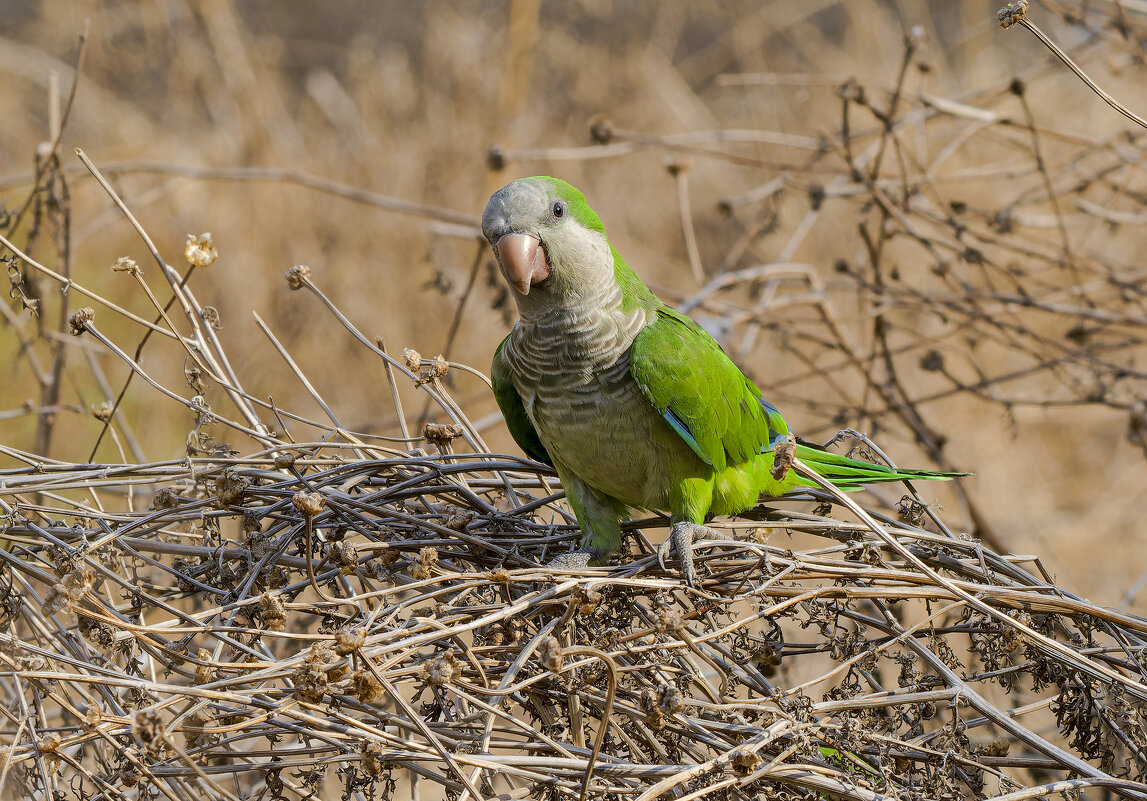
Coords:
pixel 178 101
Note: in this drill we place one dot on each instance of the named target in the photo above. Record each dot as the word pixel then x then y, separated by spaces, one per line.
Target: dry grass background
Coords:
pixel 971 270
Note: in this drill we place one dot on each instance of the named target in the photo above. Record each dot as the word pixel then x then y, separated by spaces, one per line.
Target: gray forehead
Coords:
pixel 516 205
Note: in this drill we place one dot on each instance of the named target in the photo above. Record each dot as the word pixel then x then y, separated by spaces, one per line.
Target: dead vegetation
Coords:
pixel 301 605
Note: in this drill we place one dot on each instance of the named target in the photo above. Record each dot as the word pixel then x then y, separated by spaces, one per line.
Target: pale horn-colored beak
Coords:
pixel 523 259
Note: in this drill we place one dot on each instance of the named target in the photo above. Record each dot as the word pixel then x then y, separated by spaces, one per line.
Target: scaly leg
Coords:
pixel 680 541
pixel 573 560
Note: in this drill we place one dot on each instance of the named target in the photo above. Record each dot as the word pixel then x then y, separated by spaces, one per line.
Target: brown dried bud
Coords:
pixel 499 575
pixel 365 686
pixel 148 726
pixel 231 488
pixel 412 359
pixel 601 129
pixel 372 763
pixel 550 654
pixel 164 498
pixel 432 369
pixel 647 703
pixel 126 265
pixel 349 640
pixel 309 503
pixel 441 434
pixel 427 559
pixel 496 158
pixel 200 250
pixel 79 321
pixel 298 276
pixel 272 612
pixel 103 412
pixel 585 601
pixel 210 315
pixel 345 555
pixel 204 674
pixel 283 460
pixel 998 747
pixel 1012 13
pixel 670 699
pixel 744 762
pixel 672 620
pixel 441 670
pixel 313 677
pixel 784 454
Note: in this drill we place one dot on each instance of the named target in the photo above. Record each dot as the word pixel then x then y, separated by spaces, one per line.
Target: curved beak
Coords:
pixel 523 260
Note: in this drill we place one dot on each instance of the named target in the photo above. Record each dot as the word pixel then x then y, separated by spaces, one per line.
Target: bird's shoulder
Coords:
pixel 700 392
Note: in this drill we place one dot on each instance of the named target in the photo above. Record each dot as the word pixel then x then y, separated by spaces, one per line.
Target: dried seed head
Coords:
pixel 600 129
pixel 298 276
pixel 441 670
pixel 647 703
pixel 349 640
pixel 412 359
pixel 585 601
pixel 671 620
pixel 441 434
pixel 784 454
pixel 371 753
pixel 231 488
pixel 126 265
pixel 345 555
pixel 272 612
pixel 1012 13
pixel 148 726
pixel 496 158
pixel 210 315
pixel 103 412
pixel 744 762
pixel 550 654
pixel 309 503
pixel 313 677
pixel 427 559
pixel 79 321
pixel 670 699
pixel 205 673
pixel 283 460
pixel 200 250
pixel 365 686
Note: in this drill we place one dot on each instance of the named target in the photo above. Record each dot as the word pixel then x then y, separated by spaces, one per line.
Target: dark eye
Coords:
pixel 558 209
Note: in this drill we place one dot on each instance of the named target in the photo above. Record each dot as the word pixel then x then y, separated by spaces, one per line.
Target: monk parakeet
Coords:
pixel 632 402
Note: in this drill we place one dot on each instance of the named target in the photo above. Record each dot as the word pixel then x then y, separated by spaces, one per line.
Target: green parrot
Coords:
pixel 632 402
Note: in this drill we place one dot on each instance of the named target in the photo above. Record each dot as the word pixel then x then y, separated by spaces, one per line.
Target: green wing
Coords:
pixel 700 393
pixel 510 402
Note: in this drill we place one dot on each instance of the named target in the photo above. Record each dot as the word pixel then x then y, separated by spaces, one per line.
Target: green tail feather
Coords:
pixel 851 474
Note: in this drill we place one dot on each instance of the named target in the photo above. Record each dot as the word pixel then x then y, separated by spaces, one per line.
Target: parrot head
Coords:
pixel 550 244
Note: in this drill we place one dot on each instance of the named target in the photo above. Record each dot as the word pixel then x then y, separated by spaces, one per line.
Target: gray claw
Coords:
pixel 680 541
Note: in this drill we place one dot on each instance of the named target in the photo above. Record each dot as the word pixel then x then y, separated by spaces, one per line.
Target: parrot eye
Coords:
pixel 558 210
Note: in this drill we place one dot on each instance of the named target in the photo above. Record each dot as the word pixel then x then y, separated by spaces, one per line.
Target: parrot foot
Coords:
pixel 680 541
pixel 573 560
